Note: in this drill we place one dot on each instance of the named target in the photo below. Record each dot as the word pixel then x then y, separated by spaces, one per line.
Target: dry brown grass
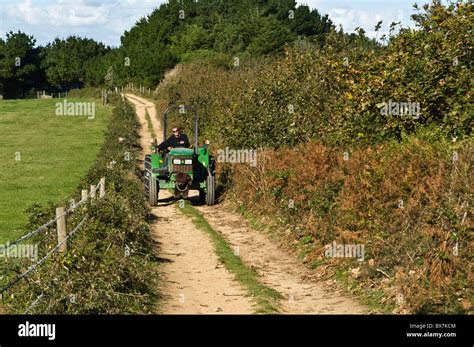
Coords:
pixel 358 202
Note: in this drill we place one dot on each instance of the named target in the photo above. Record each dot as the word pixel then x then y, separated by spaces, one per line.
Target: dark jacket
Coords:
pixel 173 141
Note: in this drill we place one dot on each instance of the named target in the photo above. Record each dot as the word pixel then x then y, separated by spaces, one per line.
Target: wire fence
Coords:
pixel 61 240
pixel 34 303
pixel 54 220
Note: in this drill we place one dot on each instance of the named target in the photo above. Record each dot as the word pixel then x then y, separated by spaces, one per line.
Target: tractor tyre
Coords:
pixel 153 190
pixel 211 190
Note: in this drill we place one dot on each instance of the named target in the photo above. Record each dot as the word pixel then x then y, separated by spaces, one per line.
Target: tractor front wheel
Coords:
pixel 211 190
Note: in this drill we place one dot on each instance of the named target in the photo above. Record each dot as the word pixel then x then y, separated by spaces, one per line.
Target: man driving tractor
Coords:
pixel 178 139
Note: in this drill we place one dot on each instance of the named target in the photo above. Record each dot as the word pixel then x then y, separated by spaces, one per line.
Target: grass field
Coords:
pixel 42 156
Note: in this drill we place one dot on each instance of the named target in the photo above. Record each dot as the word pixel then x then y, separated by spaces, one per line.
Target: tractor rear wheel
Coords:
pixel 211 190
pixel 153 190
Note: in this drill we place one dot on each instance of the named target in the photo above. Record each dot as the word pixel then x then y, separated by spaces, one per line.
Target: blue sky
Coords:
pixel 106 20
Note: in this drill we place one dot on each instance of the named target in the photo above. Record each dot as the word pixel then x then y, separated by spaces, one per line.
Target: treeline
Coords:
pixel 59 66
pixel 176 31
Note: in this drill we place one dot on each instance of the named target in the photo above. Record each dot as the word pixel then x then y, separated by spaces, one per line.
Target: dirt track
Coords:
pixel 193 280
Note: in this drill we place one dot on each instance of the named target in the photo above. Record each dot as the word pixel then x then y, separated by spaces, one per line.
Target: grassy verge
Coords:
pixel 151 130
pixel 267 299
pixel 42 156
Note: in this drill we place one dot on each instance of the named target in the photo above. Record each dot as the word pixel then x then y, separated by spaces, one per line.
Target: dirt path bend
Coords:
pixel 193 279
pixel 193 260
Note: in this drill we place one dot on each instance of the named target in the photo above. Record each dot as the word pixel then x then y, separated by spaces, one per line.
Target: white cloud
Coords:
pixel 350 19
pixel 25 12
pixel 135 3
pixel 351 14
pixel 77 15
pixel 58 13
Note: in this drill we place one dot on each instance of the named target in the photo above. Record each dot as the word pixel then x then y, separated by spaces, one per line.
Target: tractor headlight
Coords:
pixel 188 161
pixel 176 161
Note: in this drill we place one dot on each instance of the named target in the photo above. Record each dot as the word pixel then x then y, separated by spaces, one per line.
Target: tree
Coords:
pixel 2 56
pixel 270 37
pixel 65 61
pixel 19 65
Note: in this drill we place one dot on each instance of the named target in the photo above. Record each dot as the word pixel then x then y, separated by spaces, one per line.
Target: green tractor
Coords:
pixel 180 169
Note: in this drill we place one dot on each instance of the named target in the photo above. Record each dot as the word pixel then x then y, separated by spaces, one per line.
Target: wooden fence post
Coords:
pixel 102 187
pixel 84 194
pixel 92 191
pixel 61 228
